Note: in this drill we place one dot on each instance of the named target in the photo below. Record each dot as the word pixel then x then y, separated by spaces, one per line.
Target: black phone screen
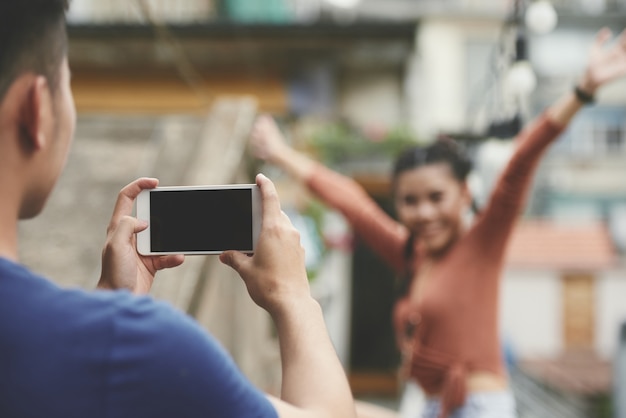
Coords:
pixel 201 220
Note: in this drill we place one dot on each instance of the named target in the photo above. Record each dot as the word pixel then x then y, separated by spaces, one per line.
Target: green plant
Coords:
pixel 339 142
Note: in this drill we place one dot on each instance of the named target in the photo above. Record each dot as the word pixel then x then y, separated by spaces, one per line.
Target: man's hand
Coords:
pixel 605 63
pixel 314 383
pixel 275 275
pixel 122 265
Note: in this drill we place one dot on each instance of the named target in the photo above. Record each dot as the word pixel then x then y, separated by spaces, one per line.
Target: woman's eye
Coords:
pixel 436 197
pixel 410 200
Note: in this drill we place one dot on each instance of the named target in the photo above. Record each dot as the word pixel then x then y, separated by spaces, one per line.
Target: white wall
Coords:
pixel 332 288
pixel 440 101
pixel 530 309
pixel 437 91
pixel 372 98
pixel 610 311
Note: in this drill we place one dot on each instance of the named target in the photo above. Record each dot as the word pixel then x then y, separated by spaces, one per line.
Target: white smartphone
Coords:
pixel 199 219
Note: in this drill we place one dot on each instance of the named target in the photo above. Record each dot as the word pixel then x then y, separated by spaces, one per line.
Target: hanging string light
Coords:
pixel 541 18
pixel 519 79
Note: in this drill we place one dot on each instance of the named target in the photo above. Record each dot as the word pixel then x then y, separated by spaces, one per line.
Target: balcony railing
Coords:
pixel 590 7
pixel 193 11
pixel 133 11
pixel 294 11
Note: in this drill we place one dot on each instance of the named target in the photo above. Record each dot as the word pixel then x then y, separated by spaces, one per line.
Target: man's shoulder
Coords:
pixel 28 297
pixel 155 359
pixel 145 317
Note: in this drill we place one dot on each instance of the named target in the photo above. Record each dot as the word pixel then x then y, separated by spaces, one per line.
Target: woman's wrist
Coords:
pixel 583 96
pixel 587 86
pixel 281 156
pixel 295 163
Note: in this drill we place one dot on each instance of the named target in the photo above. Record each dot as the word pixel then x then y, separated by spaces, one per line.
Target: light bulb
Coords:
pixel 344 4
pixel 541 17
pixel 521 79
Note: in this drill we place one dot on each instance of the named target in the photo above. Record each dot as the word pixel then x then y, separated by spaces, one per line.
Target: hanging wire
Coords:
pixel 500 57
pixel 186 70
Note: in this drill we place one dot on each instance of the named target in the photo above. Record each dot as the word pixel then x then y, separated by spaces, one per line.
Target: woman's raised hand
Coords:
pixel 606 63
pixel 266 140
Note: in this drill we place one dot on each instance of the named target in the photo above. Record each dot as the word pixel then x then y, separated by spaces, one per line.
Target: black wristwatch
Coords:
pixel 583 96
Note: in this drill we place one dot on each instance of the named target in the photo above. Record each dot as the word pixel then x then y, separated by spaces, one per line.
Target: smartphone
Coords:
pixel 199 219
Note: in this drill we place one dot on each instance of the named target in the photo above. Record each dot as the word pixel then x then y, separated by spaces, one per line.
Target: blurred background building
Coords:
pixel 170 88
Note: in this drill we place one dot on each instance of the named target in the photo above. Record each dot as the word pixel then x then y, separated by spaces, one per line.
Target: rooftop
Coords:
pixel 565 246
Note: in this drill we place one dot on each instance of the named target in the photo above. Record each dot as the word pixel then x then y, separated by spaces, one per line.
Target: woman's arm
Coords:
pixel 268 144
pixel 380 232
pixel 508 198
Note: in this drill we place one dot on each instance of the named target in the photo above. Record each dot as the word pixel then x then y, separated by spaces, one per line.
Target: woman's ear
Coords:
pixel 34 105
pixel 466 194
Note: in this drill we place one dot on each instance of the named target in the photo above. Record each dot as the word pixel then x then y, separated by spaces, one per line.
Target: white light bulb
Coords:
pixel 521 79
pixel 82 11
pixel 344 4
pixel 541 17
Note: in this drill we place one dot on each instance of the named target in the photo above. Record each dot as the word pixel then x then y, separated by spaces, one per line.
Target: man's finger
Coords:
pixel 127 196
pixel 233 259
pixel 126 228
pixel 269 196
pixel 169 261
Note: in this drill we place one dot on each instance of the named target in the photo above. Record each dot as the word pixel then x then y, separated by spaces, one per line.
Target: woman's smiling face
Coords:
pixel 431 202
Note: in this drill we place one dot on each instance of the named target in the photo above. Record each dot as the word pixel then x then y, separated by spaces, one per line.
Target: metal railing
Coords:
pixel 619 379
pixel 125 11
pixel 535 400
pixel 292 11
pixel 590 7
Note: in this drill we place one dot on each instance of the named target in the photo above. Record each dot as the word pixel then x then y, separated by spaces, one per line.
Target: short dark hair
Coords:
pixel 33 38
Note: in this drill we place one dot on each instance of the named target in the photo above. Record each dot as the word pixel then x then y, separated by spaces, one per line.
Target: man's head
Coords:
pixel 32 38
pixel 37 115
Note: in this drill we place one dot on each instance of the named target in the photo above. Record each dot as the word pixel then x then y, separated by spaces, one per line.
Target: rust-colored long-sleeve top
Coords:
pixel 457 329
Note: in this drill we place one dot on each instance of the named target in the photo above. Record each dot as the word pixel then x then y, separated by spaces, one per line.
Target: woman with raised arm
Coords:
pixel 447 321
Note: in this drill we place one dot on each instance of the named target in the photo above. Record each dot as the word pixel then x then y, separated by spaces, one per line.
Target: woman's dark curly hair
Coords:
pixel 443 150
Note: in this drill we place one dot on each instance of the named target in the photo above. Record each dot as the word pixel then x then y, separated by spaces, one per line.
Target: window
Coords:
pixel 596 132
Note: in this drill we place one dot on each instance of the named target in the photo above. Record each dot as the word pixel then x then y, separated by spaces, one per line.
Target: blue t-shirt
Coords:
pixel 71 353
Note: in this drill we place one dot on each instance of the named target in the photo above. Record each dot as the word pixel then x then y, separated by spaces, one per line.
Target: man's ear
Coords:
pixel 32 114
